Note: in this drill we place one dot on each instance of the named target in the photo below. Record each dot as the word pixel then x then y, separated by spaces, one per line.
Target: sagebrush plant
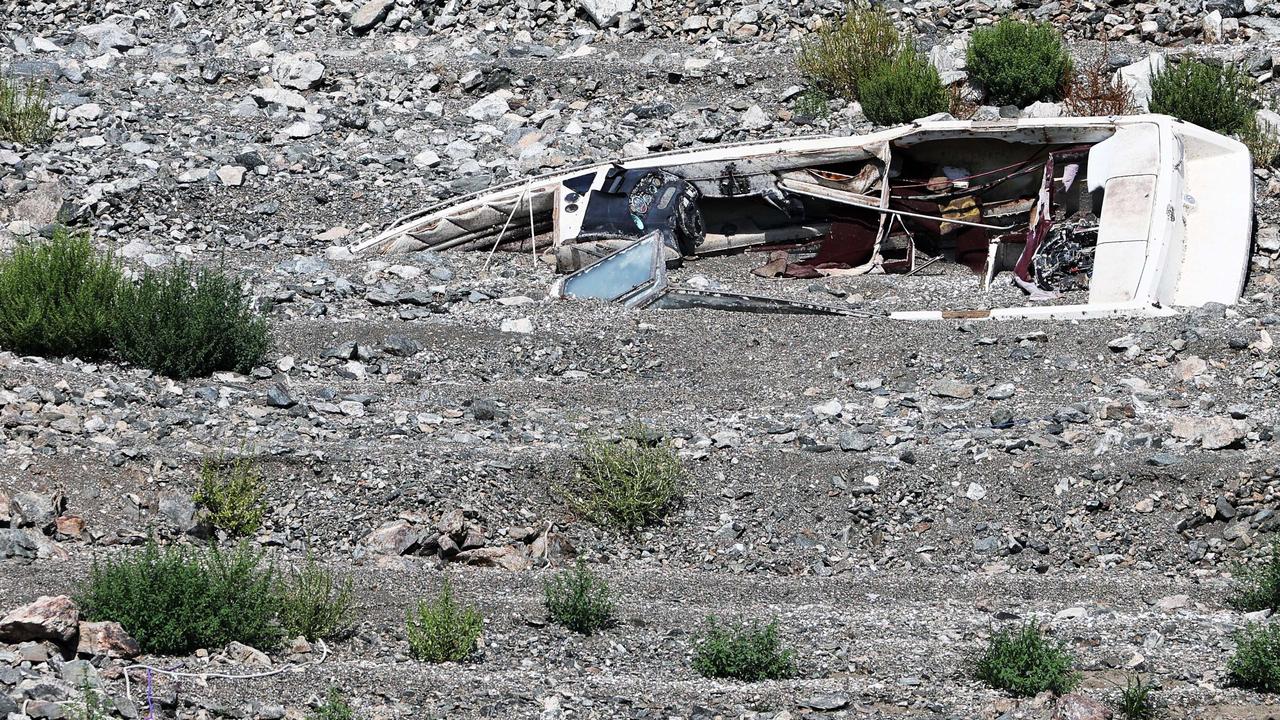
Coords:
pixel 1263 140
pixel 903 90
pixel 1217 97
pixel 1026 663
pixel 442 630
pixel 315 602
pixel 1258 587
pixel 843 54
pixel 334 707
pixel 1256 664
pixel 24 111
pixel 1019 62
pixel 177 600
pixel 742 651
pixel 1091 90
pixel 57 297
pixel 1135 701
pixel 232 491
pixel 627 484
pixel 185 322
pixel 579 600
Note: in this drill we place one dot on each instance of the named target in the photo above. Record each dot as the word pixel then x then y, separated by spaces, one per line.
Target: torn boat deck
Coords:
pixel 1086 217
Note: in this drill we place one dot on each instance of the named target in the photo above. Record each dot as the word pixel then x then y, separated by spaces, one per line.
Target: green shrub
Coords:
pixel 844 54
pixel 813 103
pixel 176 600
pixel 742 652
pixel 24 112
pixel 1256 664
pixel 1019 63
pixel 628 484
pixel 315 603
pixel 58 297
pixel 335 707
pixel 441 630
pixel 184 323
pixel 1216 97
pixel 579 600
pixel 232 492
pixel 1258 588
pixel 1135 700
pixel 1026 663
pixel 903 90
pixel 1263 140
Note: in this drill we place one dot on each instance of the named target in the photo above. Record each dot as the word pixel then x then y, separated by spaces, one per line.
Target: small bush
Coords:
pixel 184 323
pixel 1091 91
pixel 844 54
pixel 1019 63
pixel 628 484
pixel 1026 663
pixel 24 112
pixel 1216 97
pixel 813 103
pixel 743 652
pixel 58 297
pixel 335 707
pixel 1256 664
pixel 441 630
pixel 1258 588
pixel 175 601
pixel 232 493
pixel 903 90
pixel 1135 701
pixel 315 603
pixel 1263 140
pixel 579 600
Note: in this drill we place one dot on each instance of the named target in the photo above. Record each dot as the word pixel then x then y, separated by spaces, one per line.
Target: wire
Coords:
pixel 128 688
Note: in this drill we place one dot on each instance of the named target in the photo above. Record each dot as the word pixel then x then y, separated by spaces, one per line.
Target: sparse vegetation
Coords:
pixel 1018 62
pixel 903 90
pixel 845 54
pixel 1135 700
pixel 315 603
pixel 1091 89
pixel 57 297
pixel 184 323
pixel 441 630
pixel 177 600
pixel 24 111
pixel 579 600
pixel 1024 662
pixel 627 484
pixel 813 103
pixel 1258 588
pixel 91 703
pixel 743 652
pixel 232 491
pixel 1263 140
pixel 1216 97
pixel 334 707
pixel 1256 664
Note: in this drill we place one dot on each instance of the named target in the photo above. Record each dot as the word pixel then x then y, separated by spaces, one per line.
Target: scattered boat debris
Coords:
pixel 1089 217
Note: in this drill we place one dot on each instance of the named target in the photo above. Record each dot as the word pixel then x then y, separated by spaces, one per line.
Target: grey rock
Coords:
pixel 368 15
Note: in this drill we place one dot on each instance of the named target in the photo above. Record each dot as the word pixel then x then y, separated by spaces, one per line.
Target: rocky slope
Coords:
pixel 891 492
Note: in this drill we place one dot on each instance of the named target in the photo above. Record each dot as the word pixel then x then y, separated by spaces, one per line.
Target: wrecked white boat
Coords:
pixel 1090 217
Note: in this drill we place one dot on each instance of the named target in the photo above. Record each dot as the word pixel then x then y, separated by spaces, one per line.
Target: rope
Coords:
pixel 202 676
